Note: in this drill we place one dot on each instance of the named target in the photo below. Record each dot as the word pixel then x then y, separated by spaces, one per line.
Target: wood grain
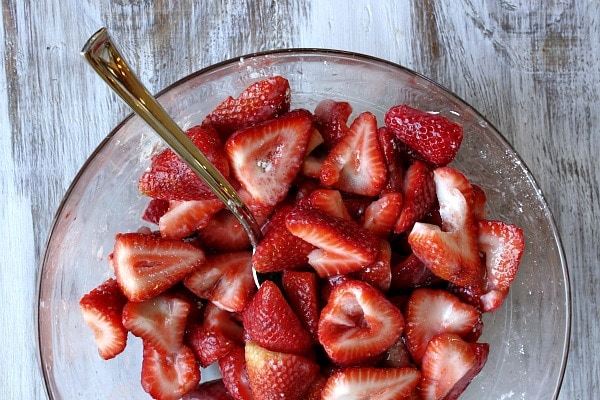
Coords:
pixel 531 67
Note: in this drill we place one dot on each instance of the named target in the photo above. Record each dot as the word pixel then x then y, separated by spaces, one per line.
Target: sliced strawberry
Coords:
pixel 155 209
pixel 449 365
pixel 275 375
pixel 160 321
pixel 379 273
pixel 186 217
pixel 371 383
pixel 170 178
pixel 224 233
pixel 302 292
pixel 479 202
pixel 355 164
pixel 101 310
pixel 430 312
pixel 270 321
pixel 235 374
pixel 212 390
pixel 331 119
pixel 147 265
pixel 342 246
pixel 411 273
pixel 397 356
pixel 434 137
pixel 419 195
pixel 266 158
pixel 169 377
pixel 315 390
pixel 393 160
pixel 259 102
pixel 225 279
pixel 381 215
pixel 358 323
pixel 329 201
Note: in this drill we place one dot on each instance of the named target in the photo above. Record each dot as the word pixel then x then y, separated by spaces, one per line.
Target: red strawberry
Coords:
pixel 355 164
pixel 225 279
pixel 212 390
pixel 169 377
pixel 449 365
pixel 266 158
pixel 155 209
pixel 147 265
pixel 186 217
pixel 411 273
pixel 329 201
pixel 259 102
pixel 392 159
pixel 419 196
pixel 430 312
pixel 371 383
pixel 223 232
pixel 315 389
pixel 342 246
pixel 479 202
pixel 331 119
pixel 358 323
pixel 381 215
pixel 170 178
pixel 275 376
pixel 434 137
pixel 235 374
pixel 397 356
pixel 270 321
pixel 101 311
pixel 301 290
pixel 379 273
pixel 160 321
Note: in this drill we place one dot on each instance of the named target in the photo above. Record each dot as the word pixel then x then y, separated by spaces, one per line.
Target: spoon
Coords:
pixel 103 55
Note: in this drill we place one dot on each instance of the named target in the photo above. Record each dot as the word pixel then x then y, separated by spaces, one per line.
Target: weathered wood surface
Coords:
pixel 532 67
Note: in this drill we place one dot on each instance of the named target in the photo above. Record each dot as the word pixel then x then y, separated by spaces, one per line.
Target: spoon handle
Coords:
pixel 101 52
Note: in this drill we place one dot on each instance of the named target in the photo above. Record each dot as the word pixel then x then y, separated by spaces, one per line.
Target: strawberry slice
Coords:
pixel 160 321
pixel 479 202
pixel 170 178
pixel 266 158
pixel 432 136
pixel 259 102
pixel 224 233
pixel 235 374
pixel 449 365
pixel 371 383
pixel 393 160
pixel 430 312
pixel 301 290
pixel 355 164
pixel 101 310
pixel 225 279
pixel 331 119
pixel 419 195
pixel 155 209
pixel 186 217
pixel 379 273
pixel 343 246
pixel 212 390
pixel 358 323
pixel 381 215
pixel 411 273
pixel 275 375
pixel 329 201
pixel 315 390
pixel 147 265
pixel 270 321
pixel 169 377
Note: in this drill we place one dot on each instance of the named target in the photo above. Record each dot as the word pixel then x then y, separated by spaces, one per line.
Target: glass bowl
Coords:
pixel 528 336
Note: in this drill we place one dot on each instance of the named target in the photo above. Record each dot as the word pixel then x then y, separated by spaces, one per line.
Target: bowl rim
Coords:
pixel 308 51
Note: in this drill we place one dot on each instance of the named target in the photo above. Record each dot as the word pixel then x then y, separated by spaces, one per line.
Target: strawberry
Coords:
pixel 160 321
pixel 329 201
pixel 393 160
pixel 147 265
pixel 430 312
pixel 418 194
pixel 479 202
pixel 266 158
pixel 155 209
pixel 342 246
pixel 355 164
pixel 235 374
pixel 186 217
pixel 259 102
pixel 170 178
pixel 225 279
pixel 358 323
pixel 381 215
pixel 371 383
pixel 211 390
pixel 101 310
pixel 270 321
pixel 449 365
pixel 432 136
pixel 379 273
pixel 275 375
pixel 301 290
pixel 224 233
pixel 169 377
pixel 397 356
pixel 331 119
pixel 315 390
pixel 411 273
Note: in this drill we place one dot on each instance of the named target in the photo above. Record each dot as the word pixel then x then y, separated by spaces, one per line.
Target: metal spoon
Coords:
pixel 102 54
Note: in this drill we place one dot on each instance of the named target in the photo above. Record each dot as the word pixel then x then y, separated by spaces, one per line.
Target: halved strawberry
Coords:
pixel 371 383
pixel 275 375
pixel 170 178
pixel 343 246
pixel 235 374
pixel 449 365
pixel 379 273
pixel 411 273
pixel 211 390
pixel 479 202
pixel 224 233
pixel 147 265
pixel 225 279
pixel 259 102
pixel 155 209
pixel 186 217
pixel 266 158
pixel 358 323
pixel 430 312
pixel 315 390
pixel 331 119
pixel 101 310
pixel 393 160
pixel 270 321
pixel 355 164
pixel 381 215
pixel 434 137
pixel 159 321
pixel 169 377
pixel 418 195
pixel 329 201
pixel 397 356
pixel 302 292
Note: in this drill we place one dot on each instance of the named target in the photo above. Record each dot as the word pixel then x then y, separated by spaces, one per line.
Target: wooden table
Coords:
pixel 532 67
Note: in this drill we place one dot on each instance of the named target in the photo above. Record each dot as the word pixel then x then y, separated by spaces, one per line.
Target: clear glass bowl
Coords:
pixel 528 336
